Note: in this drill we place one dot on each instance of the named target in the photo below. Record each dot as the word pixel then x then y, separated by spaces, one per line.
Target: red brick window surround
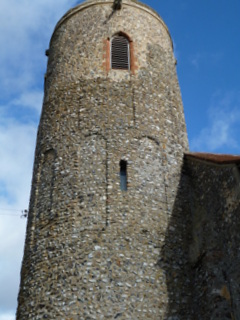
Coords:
pixel 119 53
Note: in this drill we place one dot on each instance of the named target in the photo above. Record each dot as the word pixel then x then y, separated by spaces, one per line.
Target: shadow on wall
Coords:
pixel 174 255
pixel 201 256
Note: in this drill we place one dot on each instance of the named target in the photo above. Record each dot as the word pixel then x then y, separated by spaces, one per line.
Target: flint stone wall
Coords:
pixel 201 250
pixel 92 251
pixel 214 247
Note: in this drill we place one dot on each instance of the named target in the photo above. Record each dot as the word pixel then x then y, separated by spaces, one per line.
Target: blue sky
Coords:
pixel 206 36
pixel 207 46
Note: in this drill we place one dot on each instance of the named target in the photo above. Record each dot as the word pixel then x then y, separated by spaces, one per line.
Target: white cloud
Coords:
pixel 12 229
pixel 222 130
pixel 195 60
pixel 199 58
pixel 7 316
pixel 25 30
pixel 17 145
pixel 32 99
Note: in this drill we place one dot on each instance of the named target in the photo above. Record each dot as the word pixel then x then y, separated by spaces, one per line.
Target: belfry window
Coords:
pixel 123 175
pixel 120 57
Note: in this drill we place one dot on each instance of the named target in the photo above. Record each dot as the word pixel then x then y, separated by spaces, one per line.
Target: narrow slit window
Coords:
pixel 120 53
pixel 123 175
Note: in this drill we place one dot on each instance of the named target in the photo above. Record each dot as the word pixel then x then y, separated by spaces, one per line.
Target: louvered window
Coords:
pixel 120 53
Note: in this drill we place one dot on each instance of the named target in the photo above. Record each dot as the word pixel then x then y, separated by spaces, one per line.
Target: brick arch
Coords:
pixel 107 49
pixel 123 34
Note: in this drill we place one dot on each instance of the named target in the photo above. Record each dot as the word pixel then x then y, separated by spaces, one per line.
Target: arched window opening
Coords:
pixel 120 57
pixel 123 175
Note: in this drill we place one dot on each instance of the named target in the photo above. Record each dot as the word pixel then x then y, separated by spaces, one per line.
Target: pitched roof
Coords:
pixel 214 157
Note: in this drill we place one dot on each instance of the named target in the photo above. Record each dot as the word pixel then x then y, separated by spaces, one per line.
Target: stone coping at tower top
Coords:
pixel 89 3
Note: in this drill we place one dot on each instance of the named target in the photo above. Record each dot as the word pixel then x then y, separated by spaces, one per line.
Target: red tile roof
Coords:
pixel 214 157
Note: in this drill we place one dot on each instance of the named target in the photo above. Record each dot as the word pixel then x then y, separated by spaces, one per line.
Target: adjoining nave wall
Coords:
pixel 92 250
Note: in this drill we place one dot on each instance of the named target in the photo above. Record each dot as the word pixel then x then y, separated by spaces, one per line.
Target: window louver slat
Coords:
pixel 120 53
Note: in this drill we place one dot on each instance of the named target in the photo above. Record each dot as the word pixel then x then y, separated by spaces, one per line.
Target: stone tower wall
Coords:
pixel 214 246
pixel 92 250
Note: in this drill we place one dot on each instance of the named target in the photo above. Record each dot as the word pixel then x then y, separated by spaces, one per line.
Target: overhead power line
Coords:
pixel 11 209
pixel 24 213
pixel 12 215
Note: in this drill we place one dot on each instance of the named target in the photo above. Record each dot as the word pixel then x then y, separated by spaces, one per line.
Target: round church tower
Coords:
pixel 108 157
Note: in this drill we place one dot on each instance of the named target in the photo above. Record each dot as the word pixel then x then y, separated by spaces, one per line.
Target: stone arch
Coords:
pixel 149 181
pixel 149 162
pixel 92 155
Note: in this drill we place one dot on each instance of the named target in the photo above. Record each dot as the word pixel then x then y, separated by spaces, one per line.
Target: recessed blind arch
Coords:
pixel 120 53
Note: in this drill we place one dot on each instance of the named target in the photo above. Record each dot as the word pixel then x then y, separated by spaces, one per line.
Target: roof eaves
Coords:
pixel 213 157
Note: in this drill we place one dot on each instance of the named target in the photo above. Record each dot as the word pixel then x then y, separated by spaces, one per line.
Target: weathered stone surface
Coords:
pixel 168 247
pixel 93 251
pixel 200 255
pixel 214 247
